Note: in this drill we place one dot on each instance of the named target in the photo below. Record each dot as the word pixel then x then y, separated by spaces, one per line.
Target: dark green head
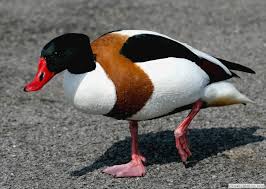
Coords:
pixel 71 51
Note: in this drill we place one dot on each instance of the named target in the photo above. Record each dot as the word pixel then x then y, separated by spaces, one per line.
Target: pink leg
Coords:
pixel 181 138
pixel 135 167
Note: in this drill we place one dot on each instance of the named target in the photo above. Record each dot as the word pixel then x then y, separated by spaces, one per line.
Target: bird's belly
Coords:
pixel 91 92
pixel 177 82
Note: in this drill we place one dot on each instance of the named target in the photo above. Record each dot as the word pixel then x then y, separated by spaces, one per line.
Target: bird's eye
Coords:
pixel 56 54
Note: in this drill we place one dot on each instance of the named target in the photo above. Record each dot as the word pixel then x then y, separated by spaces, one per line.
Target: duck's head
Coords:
pixel 70 51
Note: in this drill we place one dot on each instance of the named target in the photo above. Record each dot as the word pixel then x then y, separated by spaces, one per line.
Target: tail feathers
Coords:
pixel 235 66
pixel 244 99
pixel 223 94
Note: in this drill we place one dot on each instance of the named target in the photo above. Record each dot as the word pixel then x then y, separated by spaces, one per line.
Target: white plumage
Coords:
pixel 92 92
pixel 177 82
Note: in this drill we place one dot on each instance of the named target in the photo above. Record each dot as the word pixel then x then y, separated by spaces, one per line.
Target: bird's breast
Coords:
pixel 92 92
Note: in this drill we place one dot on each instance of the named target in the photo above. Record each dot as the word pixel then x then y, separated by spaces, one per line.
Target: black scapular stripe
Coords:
pixel 145 47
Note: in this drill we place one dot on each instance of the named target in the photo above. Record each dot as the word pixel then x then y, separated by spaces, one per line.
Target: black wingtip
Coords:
pixel 237 67
pixel 252 71
pixel 235 75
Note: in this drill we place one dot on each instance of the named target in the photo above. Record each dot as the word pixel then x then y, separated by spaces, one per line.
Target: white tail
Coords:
pixel 223 93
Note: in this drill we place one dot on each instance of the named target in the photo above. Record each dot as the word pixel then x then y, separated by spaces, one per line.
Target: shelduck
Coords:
pixel 138 75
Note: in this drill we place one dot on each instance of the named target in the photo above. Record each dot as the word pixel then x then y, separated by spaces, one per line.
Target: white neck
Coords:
pixel 92 92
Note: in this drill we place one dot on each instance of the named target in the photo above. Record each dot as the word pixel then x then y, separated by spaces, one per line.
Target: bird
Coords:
pixel 138 75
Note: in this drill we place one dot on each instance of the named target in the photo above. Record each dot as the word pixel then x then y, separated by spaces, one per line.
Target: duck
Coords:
pixel 138 75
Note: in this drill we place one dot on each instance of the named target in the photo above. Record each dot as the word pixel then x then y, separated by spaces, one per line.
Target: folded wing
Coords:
pixel 146 46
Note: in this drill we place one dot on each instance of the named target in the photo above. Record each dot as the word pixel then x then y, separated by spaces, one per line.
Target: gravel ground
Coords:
pixel 46 143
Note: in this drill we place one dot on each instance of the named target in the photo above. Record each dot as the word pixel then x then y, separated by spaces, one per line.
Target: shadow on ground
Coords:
pixel 159 148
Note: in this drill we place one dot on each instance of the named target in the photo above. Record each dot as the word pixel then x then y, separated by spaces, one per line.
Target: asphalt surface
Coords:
pixel 46 143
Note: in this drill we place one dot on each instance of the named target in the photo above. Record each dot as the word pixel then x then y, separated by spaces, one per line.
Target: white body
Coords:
pixel 177 82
